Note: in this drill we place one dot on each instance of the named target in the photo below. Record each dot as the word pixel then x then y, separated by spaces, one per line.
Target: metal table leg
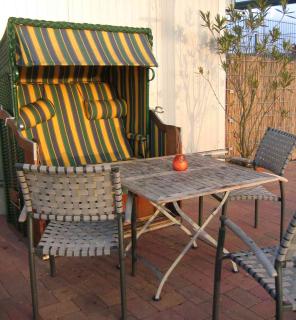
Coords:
pixel 198 232
pixel 218 267
pixel 144 228
pixel 204 235
pixel 159 210
pixel 188 246
pixel 134 233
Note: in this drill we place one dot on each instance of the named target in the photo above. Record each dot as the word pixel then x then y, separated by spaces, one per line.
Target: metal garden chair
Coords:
pixel 272 154
pixel 274 268
pixel 84 208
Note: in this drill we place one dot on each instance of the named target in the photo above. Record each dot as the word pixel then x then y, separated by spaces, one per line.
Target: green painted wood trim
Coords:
pixel 74 25
pixel 11 39
pixel 14 74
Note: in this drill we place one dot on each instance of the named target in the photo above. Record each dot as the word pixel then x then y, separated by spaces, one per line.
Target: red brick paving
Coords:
pixel 88 288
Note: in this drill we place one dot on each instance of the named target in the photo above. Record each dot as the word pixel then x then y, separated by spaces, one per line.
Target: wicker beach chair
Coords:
pixel 272 154
pixel 274 268
pixel 75 94
pixel 83 206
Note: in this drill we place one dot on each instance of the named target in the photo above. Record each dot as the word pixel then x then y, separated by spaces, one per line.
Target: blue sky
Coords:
pixel 275 15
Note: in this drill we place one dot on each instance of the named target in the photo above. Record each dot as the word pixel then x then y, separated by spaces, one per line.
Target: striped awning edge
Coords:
pixel 40 46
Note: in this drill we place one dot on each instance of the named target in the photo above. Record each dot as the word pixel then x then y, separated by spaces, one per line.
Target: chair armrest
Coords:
pixel 241 161
pixel 30 147
pixel 262 258
pixel 172 135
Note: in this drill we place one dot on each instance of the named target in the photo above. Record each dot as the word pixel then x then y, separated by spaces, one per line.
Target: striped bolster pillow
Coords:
pixel 34 113
pixel 105 109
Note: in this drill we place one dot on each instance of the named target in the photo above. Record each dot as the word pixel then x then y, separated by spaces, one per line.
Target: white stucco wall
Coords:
pixel 180 46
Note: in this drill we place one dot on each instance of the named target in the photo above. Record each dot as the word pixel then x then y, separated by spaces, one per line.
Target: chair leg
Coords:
pixel 282 218
pixel 134 238
pixel 279 294
pixel 218 268
pixel 283 209
pixel 122 272
pixel 256 214
pixel 33 280
pixel 200 210
pixel 52 266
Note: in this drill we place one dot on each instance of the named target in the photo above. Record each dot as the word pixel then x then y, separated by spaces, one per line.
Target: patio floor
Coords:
pixel 88 288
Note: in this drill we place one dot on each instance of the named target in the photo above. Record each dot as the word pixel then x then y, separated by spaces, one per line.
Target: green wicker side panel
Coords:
pixel 157 139
pixel 4 56
pixel 9 152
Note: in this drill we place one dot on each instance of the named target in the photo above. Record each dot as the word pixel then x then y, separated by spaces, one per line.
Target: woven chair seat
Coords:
pixel 249 262
pixel 256 193
pixel 79 238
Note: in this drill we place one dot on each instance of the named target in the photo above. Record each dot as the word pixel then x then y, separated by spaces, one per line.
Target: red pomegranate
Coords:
pixel 180 163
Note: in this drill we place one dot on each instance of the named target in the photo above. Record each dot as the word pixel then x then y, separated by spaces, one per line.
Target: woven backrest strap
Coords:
pixel 275 150
pixel 287 248
pixel 89 193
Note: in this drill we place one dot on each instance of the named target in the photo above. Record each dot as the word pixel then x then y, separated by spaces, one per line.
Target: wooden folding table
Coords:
pixel 155 180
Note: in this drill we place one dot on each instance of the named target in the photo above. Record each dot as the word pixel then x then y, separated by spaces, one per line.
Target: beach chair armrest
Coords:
pixel 245 162
pixel 30 147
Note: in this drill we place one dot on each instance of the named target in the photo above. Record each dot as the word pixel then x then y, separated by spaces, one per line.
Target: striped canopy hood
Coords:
pixel 42 43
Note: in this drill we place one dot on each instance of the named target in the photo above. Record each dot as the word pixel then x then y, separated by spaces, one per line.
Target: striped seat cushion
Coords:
pixel 36 112
pixel 105 109
pixel 69 138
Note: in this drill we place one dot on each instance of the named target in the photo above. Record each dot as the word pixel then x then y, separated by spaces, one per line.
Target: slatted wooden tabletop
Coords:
pixel 155 180
pixel 139 168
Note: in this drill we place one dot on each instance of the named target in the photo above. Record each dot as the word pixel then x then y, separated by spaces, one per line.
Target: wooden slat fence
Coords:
pixel 282 115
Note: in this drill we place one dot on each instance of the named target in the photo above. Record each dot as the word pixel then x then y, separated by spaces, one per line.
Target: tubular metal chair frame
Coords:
pixel 273 154
pixel 266 265
pixel 29 213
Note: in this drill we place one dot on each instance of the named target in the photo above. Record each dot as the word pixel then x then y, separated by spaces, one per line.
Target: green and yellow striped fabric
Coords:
pixel 105 109
pixel 35 112
pixel 59 74
pixel 97 91
pixel 69 47
pixel 69 138
pixel 131 85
